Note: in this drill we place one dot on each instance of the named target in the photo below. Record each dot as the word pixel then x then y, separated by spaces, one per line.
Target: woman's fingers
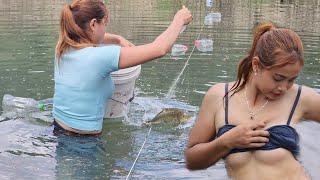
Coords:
pixel 259 140
pixel 258 125
pixel 256 145
pixel 249 136
pixel 260 133
pixel 185 15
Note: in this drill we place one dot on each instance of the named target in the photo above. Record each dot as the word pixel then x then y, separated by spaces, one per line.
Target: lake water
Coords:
pixel 28 34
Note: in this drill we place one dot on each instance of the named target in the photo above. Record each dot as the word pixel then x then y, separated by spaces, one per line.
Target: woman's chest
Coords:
pixel 259 157
pixel 273 114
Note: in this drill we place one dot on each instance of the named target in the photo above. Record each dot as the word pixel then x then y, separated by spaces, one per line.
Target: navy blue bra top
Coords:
pixel 281 136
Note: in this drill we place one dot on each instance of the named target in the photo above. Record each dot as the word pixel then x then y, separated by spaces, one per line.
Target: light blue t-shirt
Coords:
pixel 83 85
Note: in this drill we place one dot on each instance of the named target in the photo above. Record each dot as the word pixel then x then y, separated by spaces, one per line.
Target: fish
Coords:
pixel 170 115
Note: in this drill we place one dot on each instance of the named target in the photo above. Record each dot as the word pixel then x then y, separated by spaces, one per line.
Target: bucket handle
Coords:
pixel 125 103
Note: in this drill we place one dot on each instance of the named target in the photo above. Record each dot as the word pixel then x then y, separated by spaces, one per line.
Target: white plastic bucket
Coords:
pixel 124 81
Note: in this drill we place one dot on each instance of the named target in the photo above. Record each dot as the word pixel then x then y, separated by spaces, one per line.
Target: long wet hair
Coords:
pixel 74 24
pixel 275 47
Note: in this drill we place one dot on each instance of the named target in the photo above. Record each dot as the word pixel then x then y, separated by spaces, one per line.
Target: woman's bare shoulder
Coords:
pixel 308 94
pixel 216 93
pixel 217 90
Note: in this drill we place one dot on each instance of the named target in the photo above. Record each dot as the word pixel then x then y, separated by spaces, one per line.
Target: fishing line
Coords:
pixel 135 161
pixel 174 84
pixel 169 95
pixel 170 92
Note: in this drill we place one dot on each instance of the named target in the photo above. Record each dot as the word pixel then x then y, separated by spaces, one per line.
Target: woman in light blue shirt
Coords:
pixel 84 62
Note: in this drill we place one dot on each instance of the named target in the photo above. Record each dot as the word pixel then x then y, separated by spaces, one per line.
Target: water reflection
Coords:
pixel 25 147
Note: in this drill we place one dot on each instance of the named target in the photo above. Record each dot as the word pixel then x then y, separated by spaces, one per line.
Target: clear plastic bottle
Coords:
pixel 20 104
pixel 178 50
pixel 211 18
pixel 204 45
pixel 45 104
pixel 209 3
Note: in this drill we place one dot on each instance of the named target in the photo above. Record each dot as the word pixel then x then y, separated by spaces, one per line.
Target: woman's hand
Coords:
pixel 124 43
pixel 116 39
pixel 184 16
pixel 247 136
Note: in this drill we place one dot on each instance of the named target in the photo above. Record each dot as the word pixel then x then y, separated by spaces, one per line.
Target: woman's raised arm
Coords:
pixel 131 56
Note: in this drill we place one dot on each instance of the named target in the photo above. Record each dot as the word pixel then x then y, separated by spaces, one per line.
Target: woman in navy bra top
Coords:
pixel 280 136
pixel 250 122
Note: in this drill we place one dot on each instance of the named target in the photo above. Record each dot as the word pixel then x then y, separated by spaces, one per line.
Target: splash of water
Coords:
pixel 143 109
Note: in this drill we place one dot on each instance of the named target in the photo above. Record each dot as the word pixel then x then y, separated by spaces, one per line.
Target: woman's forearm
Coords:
pixel 165 40
pixel 111 39
pixel 159 47
pixel 203 155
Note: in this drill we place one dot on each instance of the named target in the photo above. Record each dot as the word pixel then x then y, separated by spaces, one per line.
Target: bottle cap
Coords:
pixel 41 107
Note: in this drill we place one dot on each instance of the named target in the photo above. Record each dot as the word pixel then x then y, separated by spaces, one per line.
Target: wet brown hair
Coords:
pixel 275 47
pixel 74 24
